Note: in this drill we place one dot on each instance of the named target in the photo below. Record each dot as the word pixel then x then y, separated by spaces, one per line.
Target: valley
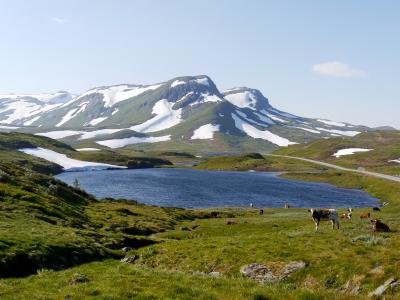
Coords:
pixel 59 241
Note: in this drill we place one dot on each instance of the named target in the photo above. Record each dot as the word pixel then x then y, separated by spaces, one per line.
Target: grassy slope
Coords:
pixel 169 270
pixel 386 145
pixel 46 224
pixel 178 267
pixel 248 162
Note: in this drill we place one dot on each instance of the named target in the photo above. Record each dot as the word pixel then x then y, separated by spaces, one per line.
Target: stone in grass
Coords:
pixel 263 274
pixel 214 274
pixel 258 272
pixel 129 259
pixel 391 282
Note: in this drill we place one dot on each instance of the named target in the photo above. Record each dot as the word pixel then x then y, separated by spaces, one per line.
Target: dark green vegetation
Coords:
pixel 47 226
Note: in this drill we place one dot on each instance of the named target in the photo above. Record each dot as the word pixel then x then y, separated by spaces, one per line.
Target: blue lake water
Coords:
pixel 199 189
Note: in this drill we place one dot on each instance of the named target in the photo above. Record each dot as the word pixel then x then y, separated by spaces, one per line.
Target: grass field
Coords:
pixel 57 242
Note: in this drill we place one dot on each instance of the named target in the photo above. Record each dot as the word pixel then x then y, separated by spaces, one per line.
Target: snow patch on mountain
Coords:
pixel 203 81
pixel 349 151
pixel 244 99
pixel 305 129
pixel 177 82
pixel 244 116
pixel 119 143
pixel 96 121
pixel 59 134
pixel 67 163
pixel 87 149
pixel 332 123
pixel 92 134
pixel 72 114
pixel 264 118
pixel 19 109
pixel 115 94
pixel 260 134
pixel 166 117
pixel 339 132
pixel 274 117
pixel 205 132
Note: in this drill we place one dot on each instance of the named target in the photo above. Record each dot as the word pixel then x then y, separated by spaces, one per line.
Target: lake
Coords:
pixel 200 189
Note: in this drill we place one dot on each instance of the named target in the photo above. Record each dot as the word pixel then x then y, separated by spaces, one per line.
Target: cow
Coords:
pixel 261 211
pixel 286 206
pixel 378 226
pixel 365 215
pixel 324 215
pixel 376 208
pixel 347 215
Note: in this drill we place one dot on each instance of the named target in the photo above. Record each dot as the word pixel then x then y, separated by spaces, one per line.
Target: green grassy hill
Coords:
pixel 385 145
pixel 57 242
pixel 46 224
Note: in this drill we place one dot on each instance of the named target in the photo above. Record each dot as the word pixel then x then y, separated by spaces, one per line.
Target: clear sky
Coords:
pixel 332 59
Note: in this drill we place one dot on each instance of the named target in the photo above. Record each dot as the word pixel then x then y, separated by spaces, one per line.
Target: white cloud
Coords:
pixel 338 69
pixel 59 20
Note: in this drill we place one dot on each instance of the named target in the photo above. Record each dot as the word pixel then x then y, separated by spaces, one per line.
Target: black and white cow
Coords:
pixel 325 215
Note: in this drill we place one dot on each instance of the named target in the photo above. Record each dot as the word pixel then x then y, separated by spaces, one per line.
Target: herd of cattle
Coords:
pixel 332 215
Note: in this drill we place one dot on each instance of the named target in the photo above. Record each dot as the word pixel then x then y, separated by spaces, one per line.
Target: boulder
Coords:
pixel 291 268
pixel 258 272
pixel 263 273
pixel 391 282
pixel 129 259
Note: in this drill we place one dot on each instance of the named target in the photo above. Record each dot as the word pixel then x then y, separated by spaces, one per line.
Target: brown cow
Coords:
pixel 378 226
pixel 365 215
pixel 347 215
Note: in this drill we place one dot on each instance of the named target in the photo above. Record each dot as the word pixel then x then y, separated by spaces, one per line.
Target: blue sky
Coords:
pixel 337 60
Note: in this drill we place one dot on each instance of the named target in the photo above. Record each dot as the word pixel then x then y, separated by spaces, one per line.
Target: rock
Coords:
pixel 258 272
pixel 195 226
pixel 291 268
pixel 382 288
pixel 263 274
pixel 377 270
pixel 129 259
pixel 351 287
pixel 215 274
pixel 126 249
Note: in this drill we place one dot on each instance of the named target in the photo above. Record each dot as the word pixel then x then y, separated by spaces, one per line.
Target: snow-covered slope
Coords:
pixel 187 110
pixel 67 163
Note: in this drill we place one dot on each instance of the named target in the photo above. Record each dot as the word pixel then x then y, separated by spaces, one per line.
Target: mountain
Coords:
pixel 182 113
pixel 25 109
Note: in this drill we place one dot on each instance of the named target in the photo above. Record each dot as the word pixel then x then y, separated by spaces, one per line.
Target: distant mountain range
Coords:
pixel 183 113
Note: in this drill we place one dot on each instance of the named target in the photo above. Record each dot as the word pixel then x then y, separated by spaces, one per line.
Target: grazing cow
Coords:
pixel 378 226
pixel 347 215
pixel 365 215
pixel 324 215
pixel 261 211
pixel 286 206
pixel 376 208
